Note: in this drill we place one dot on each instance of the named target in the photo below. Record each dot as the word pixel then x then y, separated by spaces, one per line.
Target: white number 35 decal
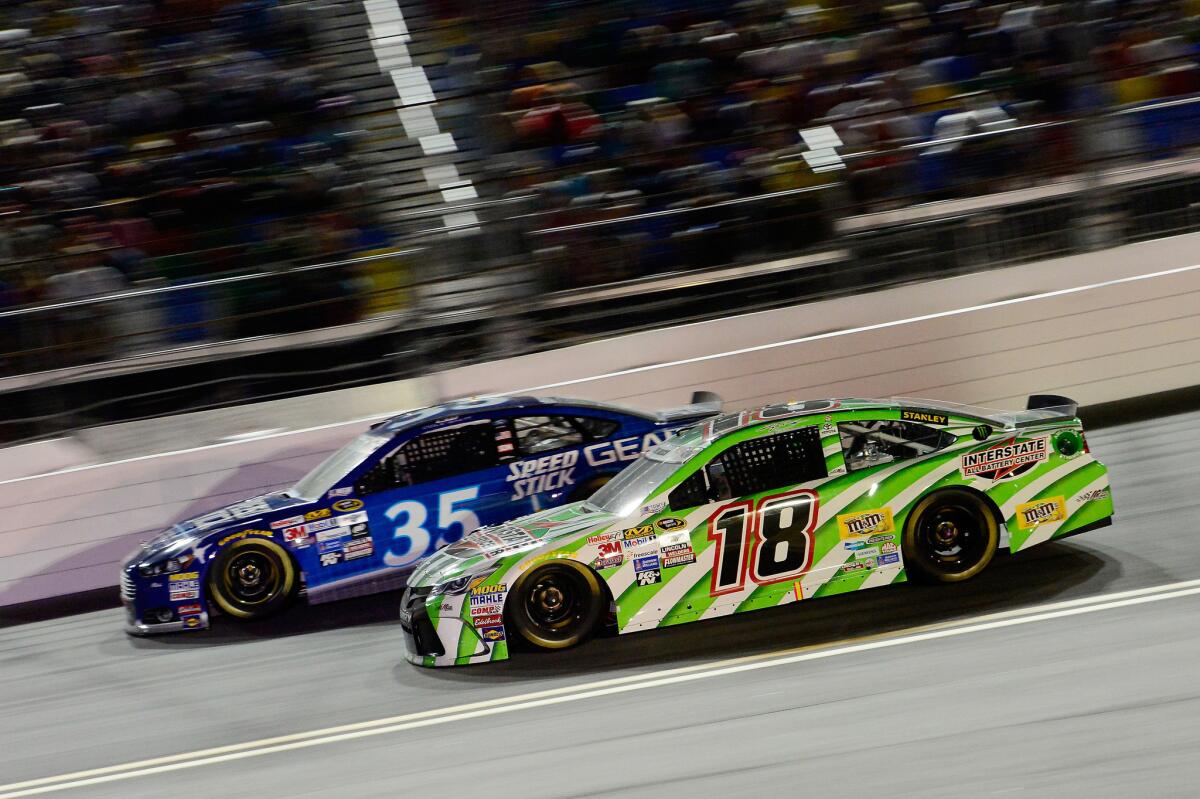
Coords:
pixel 412 540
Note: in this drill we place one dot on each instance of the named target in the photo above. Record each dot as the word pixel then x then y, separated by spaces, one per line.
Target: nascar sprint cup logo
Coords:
pixel 1009 459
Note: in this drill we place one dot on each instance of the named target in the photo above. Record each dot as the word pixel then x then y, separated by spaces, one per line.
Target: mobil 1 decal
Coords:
pixel 1005 460
pixel 558 471
pixel 771 540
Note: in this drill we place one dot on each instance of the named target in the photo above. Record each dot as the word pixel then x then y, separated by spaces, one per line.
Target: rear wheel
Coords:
pixel 950 536
pixel 252 579
pixel 556 605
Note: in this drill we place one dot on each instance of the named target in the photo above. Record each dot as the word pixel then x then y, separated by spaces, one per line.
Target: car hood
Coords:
pixel 489 544
pixel 239 514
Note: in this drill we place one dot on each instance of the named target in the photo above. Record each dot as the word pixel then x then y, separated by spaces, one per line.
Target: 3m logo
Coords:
pixel 1031 514
pixel 877 521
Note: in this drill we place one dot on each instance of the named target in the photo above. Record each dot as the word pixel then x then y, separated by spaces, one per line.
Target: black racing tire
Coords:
pixel 557 605
pixel 252 579
pixel 585 490
pixel 950 536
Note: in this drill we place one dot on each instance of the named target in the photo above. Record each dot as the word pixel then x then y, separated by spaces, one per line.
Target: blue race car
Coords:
pixel 363 519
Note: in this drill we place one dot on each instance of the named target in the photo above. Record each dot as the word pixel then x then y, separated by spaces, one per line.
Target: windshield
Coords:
pixel 314 484
pixel 624 493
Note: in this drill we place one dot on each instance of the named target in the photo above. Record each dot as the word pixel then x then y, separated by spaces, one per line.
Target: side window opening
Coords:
pixel 691 493
pixel 596 427
pixel 872 443
pixel 433 456
pixel 536 434
pixel 762 464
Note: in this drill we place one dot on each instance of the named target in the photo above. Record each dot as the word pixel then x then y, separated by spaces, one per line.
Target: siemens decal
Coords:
pixel 556 472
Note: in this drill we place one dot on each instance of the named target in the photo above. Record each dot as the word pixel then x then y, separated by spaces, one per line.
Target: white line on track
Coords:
pixel 575 693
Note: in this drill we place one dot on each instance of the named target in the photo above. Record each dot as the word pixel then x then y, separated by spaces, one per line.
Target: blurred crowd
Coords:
pixel 153 143
pixel 668 109
pixel 159 143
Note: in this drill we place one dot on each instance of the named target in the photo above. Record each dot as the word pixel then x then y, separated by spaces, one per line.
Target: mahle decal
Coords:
pixel 1031 514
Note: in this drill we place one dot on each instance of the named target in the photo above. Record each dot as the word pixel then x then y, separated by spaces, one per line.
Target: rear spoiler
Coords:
pixel 704 403
pixel 1048 407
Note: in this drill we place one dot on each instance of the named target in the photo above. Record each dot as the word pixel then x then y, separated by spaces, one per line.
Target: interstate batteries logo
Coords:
pixel 1009 459
pixel 877 521
pixel 1051 509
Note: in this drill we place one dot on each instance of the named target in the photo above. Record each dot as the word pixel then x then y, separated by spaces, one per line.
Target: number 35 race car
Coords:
pixel 782 504
pixel 361 520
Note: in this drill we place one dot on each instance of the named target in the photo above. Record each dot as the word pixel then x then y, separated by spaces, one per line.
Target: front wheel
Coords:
pixel 556 605
pixel 950 536
pixel 252 579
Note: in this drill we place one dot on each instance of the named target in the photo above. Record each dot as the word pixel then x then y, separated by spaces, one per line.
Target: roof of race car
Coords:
pixel 467 407
pixel 729 423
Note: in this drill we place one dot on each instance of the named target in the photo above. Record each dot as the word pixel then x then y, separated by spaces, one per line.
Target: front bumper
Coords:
pixel 438 632
pixel 149 609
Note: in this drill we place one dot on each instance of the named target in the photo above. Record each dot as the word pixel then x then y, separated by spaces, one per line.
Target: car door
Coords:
pixel 425 490
pixel 547 468
pixel 751 511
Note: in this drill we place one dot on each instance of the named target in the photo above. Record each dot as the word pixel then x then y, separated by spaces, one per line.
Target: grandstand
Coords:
pixel 209 202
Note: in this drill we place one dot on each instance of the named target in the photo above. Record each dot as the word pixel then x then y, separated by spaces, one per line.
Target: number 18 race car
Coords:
pixel 762 508
pixel 361 520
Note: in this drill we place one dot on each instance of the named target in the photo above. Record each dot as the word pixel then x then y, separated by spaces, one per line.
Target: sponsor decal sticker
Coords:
pixel 647 570
pixel 887 547
pixel 1040 511
pixel 653 508
pixel 487 595
pixel 610 549
pixel 884 560
pixel 333 534
pixel 344 491
pixel 493 634
pixel 538 475
pixel 635 537
pixel 798 590
pixel 181 576
pixel 602 537
pixel 677 555
pixel 347 505
pixel 863 554
pixel 191 622
pixel 243 534
pixel 352 518
pixel 1005 460
pixel 488 620
pixel 295 534
pixel 331 558
pixel 877 521
pixel 290 521
pixel 670 523
pixel 879 539
pixel 1095 495
pixel 323 524
pixel 184 589
pixel 358 549
pixel 925 418
pixel 610 562
pixel 188 610
pixel 313 515
pixel 359 531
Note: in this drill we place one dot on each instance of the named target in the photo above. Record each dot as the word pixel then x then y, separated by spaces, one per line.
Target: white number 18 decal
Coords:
pixel 412 540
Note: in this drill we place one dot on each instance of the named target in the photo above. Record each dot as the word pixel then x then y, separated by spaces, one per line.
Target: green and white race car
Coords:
pixel 785 503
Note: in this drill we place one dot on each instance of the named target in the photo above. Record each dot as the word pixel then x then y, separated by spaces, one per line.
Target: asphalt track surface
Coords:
pixel 1096 697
